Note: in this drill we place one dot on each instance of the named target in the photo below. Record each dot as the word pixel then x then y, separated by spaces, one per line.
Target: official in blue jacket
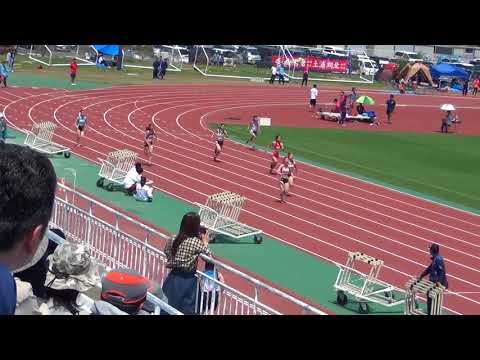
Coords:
pixel 436 271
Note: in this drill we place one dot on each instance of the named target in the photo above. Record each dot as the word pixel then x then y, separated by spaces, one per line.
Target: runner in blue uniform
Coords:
pixel 81 123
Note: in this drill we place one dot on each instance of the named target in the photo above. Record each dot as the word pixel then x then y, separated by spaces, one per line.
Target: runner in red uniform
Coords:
pixel 148 144
pixel 284 172
pixel 293 168
pixel 219 135
pixel 276 146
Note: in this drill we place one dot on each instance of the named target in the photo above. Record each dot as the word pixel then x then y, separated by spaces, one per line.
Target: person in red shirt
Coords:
pixel 73 71
pixel 476 84
pixel 276 146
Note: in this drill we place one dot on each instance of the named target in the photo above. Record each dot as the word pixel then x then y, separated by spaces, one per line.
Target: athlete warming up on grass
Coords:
pixel 220 135
pixel 254 127
pixel 276 146
pixel 148 144
pixel 284 172
pixel 293 168
pixel 81 123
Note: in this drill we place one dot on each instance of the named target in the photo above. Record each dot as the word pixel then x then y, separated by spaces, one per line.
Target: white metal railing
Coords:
pixel 112 244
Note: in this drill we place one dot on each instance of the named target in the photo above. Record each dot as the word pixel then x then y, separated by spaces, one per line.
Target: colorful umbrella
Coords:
pixel 447 107
pixel 365 100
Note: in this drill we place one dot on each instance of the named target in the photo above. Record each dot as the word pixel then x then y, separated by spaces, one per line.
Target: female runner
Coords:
pixel 254 127
pixel 148 144
pixel 284 172
pixel 293 168
pixel 220 135
pixel 276 145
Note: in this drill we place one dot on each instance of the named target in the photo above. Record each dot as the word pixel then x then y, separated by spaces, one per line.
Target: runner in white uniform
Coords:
pixel 220 135
pixel 293 168
pixel 284 172
pixel 254 127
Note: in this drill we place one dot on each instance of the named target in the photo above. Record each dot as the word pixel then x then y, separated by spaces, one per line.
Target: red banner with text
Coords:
pixel 313 63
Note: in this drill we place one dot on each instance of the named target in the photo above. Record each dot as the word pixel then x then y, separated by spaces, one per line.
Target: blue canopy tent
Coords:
pixel 109 50
pixel 446 70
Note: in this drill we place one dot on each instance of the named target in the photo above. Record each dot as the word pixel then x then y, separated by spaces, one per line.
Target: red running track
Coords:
pixel 328 214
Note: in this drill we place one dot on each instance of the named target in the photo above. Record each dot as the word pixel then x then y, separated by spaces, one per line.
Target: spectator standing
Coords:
pixel 281 74
pixel 27 190
pixel 274 74
pixel 221 62
pixel 436 272
pixel 182 253
pixel 313 97
pixel 465 88
pixel 476 84
pixel 353 98
pixel 446 122
pixel 73 71
pixel 3 74
pixel 3 128
pixel 391 103
pixel 9 59
pixel 163 68
pixel 305 77
pixel 343 108
pixel 156 65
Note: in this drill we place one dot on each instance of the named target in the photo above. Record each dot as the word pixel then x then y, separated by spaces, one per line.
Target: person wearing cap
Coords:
pixel 144 192
pixel 133 177
pixel 182 253
pixel 436 271
pixel 3 127
pixel 71 271
pixel 124 292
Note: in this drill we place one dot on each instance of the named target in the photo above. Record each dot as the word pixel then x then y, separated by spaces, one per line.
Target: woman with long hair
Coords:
pixel 148 144
pixel 219 135
pixel 276 146
pixel 284 172
pixel 182 253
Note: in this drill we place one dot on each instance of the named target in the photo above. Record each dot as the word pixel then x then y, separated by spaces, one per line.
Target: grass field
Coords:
pixel 443 167
pixel 25 66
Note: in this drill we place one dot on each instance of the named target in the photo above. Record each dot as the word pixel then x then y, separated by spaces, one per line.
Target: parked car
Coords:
pixel 368 67
pixel 410 56
pixel 333 51
pixel 250 54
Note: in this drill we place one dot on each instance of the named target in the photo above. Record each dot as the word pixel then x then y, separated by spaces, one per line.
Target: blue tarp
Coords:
pixel 448 70
pixel 110 50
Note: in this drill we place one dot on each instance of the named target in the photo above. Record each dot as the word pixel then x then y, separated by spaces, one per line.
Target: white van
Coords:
pixel 250 54
pixel 368 67
pixel 335 51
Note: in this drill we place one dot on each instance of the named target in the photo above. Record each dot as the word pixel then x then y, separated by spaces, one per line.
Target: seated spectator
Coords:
pixel 124 292
pixel 143 192
pixel 27 193
pixel 71 271
pixel 360 109
pixel 182 253
pixel 132 178
pixel 37 274
pixel 206 297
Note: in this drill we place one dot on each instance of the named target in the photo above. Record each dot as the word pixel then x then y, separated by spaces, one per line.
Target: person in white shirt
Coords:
pixel 144 192
pixel 274 74
pixel 313 97
pixel 133 177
